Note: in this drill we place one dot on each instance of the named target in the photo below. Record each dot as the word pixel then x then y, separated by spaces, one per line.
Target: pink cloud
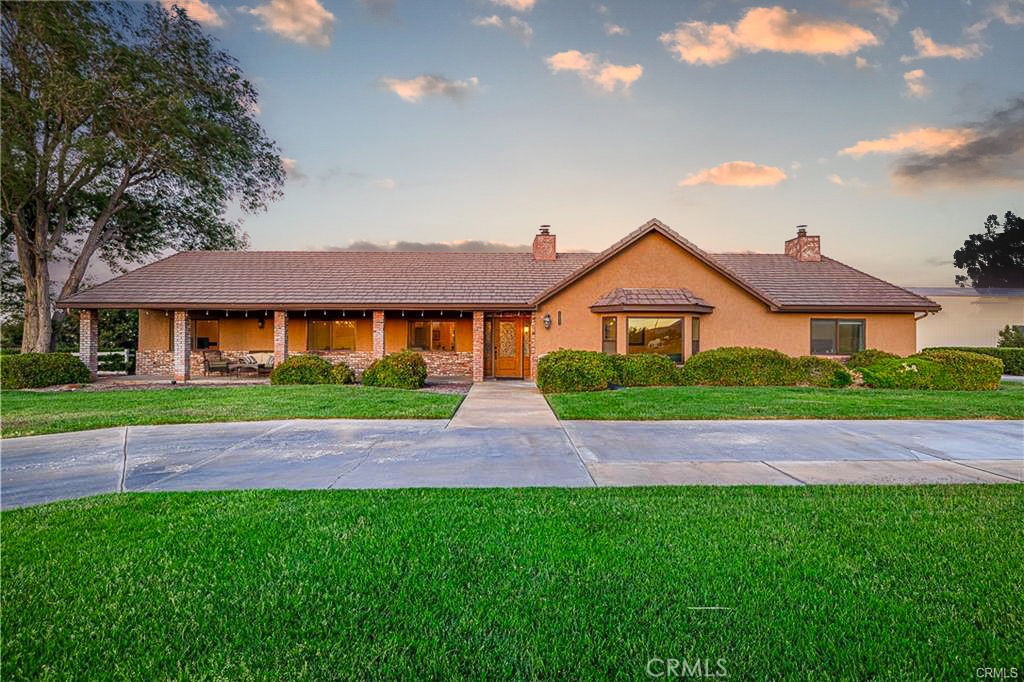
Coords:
pixel 197 10
pixel 916 87
pixel 301 21
pixel 736 174
pixel 605 75
pixel 921 140
pixel 427 85
pixel 926 48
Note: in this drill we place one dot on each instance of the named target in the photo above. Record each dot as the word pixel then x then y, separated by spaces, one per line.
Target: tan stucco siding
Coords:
pixel 739 319
pixel 969 320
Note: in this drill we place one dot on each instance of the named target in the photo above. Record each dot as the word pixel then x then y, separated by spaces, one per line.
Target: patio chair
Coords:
pixel 248 363
pixel 214 361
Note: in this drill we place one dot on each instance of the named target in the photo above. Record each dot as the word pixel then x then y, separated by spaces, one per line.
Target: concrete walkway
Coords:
pixel 504 435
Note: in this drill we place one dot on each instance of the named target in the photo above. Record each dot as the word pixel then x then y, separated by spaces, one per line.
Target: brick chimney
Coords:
pixel 544 244
pixel 802 247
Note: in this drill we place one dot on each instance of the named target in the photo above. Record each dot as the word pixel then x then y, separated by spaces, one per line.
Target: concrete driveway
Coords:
pixel 504 435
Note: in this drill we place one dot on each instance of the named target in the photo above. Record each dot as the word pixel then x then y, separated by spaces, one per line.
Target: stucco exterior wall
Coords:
pixel 739 319
pixel 969 320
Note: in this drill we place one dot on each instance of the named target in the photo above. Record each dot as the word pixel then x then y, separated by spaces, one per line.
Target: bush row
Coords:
pixel 36 370
pixel 1013 358
pixel 575 371
pixel 943 370
pixel 398 370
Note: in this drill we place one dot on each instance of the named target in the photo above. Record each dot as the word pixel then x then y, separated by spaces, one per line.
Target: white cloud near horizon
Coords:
pixel 588 66
pixel 197 10
pixel 302 21
pixel 736 174
pixel 292 171
pixel 513 25
pixel 765 29
pixel 611 29
pixel 916 86
pixel 515 5
pixel 919 140
pixel 430 85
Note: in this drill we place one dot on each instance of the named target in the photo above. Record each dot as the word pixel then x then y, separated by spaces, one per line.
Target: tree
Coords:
pixel 1011 337
pixel 994 258
pixel 125 134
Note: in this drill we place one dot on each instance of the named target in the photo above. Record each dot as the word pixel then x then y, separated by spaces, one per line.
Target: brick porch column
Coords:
pixel 280 336
pixel 182 347
pixel 89 339
pixel 378 334
pixel 478 345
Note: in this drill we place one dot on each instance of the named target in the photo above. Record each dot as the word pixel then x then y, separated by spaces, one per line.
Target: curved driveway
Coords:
pixel 503 436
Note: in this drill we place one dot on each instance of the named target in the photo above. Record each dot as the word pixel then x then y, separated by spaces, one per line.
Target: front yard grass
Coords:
pixel 28 413
pixel 814 583
pixel 716 402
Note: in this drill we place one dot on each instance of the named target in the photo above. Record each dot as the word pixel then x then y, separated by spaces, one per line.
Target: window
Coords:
pixel 609 334
pixel 694 335
pixel 432 335
pixel 662 335
pixel 837 337
pixel 331 335
pixel 206 334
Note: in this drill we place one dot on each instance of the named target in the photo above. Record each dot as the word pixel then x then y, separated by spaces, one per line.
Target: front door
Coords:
pixel 508 347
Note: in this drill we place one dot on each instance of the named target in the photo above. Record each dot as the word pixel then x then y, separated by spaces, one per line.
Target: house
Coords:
pixel 494 314
pixel 969 317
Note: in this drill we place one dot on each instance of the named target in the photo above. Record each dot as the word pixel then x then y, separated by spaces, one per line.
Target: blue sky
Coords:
pixel 481 119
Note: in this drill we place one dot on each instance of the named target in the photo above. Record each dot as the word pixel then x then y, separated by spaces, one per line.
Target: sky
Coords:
pixel 892 129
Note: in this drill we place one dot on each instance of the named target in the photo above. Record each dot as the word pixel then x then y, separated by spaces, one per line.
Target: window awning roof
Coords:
pixel 651 300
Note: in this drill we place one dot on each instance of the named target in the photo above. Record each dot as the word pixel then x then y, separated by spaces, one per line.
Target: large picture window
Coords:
pixel 331 335
pixel 432 335
pixel 662 335
pixel 837 337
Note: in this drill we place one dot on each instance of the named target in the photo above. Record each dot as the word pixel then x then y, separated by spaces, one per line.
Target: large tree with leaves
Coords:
pixel 126 133
pixel 995 257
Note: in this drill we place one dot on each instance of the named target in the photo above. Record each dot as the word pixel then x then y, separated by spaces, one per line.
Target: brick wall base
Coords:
pixel 439 363
pixel 448 363
pixel 154 362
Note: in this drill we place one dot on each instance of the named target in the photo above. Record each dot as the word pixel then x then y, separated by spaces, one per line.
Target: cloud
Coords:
pixel 469 246
pixel 863 64
pixel 843 182
pixel 301 21
pixel 916 86
pixel 1010 12
pixel 883 8
pixel 514 25
pixel 379 9
pixel 611 29
pixel 197 10
pixel 292 170
pixel 771 29
pixel 919 140
pixel 428 85
pixel 926 48
pixel 993 155
pixel 516 5
pixel 736 174
pixel 605 75
pixel 384 183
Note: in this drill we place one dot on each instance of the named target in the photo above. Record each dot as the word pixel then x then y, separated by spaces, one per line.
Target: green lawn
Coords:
pixel 699 402
pixel 26 413
pixel 815 583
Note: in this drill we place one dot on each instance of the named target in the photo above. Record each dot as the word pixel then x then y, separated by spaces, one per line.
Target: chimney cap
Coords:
pixel 545 229
pixel 801 230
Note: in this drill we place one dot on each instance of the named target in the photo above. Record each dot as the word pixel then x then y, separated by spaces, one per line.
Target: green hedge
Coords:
pixel 866 358
pixel 405 369
pixel 36 370
pixel 341 373
pixel 575 371
pixel 1013 358
pixel 302 369
pixel 645 369
pixel 738 366
pixel 940 370
pixel 811 370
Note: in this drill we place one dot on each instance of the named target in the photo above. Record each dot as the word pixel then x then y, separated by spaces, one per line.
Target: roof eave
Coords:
pixel 653 308
pixel 857 308
pixel 290 306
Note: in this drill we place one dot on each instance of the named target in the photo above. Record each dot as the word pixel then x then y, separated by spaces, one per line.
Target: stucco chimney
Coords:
pixel 544 244
pixel 802 247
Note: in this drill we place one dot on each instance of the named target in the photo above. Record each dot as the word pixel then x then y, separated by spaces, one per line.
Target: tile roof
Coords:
pixel 333 279
pixel 819 285
pixel 396 279
pixel 649 297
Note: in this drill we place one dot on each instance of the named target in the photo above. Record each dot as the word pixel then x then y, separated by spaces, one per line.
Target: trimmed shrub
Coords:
pixel 302 369
pixel 811 370
pixel 405 369
pixel 868 357
pixel 341 373
pixel 1013 358
pixel 968 371
pixel 645 369
pixel 574 371
pixel 915 372
pixel 36 370
pixel 737 366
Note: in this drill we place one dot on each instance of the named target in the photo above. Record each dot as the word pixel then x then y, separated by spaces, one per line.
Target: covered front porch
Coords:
pixel 246 343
